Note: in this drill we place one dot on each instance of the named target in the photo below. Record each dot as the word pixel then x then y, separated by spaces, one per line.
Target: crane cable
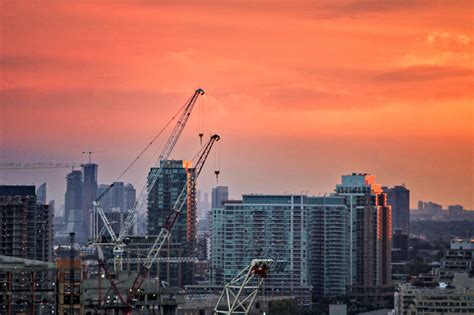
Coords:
pixel 160 132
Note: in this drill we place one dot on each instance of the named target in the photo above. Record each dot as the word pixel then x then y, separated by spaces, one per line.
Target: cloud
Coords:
pixel 423 73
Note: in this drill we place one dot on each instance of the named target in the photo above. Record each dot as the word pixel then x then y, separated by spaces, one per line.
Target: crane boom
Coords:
pixel 168 148
pixel 169 222
pixel 19 166
pixel 142 198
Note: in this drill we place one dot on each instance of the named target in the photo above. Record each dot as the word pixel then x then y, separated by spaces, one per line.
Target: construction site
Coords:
pixel 120 271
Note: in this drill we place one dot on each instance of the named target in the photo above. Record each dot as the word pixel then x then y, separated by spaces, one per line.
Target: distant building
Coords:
pixel 455 211
pixel 219 194
pixel 89 193
pixel 117 195
pixel 454 298
pixel 458 258
pixel 41 194
pixel 73 210
pixel 26 226
pixel 370 239
pixel 130 196
pixel 398 198
pixel 400 246
pixel 175 175
pixel 430 209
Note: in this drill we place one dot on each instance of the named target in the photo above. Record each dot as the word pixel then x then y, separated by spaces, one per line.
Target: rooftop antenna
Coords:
pixel 90 154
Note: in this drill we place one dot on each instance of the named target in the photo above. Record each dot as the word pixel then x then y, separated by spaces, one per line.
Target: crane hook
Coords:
pixel 217 176
pixel 200 138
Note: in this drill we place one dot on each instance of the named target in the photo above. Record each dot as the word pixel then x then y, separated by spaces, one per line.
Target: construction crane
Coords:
pixel 165 232
pixel 118 241
pixel 20 166
pixel 240 293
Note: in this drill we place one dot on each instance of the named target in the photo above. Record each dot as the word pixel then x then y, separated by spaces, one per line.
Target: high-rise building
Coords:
pixel 219 194
pixel 89 193
pixel 270 226
pixel 26 226
pixel 130 196
pixel 370 239
pixel 398 198
pixel 328 246
pixel 41 194
pixel 73 213
pixel 175 174
pixel 117 195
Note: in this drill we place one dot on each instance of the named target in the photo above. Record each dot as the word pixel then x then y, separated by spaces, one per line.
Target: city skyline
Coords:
pixel 312 91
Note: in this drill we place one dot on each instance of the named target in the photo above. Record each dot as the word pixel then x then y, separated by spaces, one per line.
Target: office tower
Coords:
pixel 26 226
pixel 268 226
pixel 130 196
pixel 89 193
pixel 219 194
pixel 73 197
pixel 430 209
pixel 398 198
pixel 328 246
pixel 117 195
pixel 106 200
pixel 41 194
pixel 370 239
pixel 175 175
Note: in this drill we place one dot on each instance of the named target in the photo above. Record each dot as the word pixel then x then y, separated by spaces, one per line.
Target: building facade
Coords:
pixel 175 175
pixel 26 227
pixel 219 194
pixel 89 194
pixel 398 198
pixel 270 226
pixel 370 239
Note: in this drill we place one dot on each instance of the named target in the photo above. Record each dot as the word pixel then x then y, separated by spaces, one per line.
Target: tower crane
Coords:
pixel 164 233
pixel 239 294
pixel 20 166
pixel 118 241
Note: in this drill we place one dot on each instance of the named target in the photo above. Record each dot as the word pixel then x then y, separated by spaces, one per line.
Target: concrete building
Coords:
pixel 400 246
pixel 328 246
pixel 27 286
pixel 69 286
pixel 453 299
pixel 272 226
pixel 398 198
pixel 219 194
pixel 458 258
pixel 175 175
pixel 370 239
pixel 26 227
pixel 89 194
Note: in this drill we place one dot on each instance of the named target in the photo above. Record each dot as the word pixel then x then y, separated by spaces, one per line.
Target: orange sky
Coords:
pixel 301 92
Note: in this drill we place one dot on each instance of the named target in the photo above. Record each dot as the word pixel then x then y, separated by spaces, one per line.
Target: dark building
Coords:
pixel 41 194
pixel 175 175
pixel 455 212
pixel 398 198
pixel 89 193
pixel 73 197
pixel 26 226
pixel 117 195
pixel 219 194
pixel 400 246
pixel 130 196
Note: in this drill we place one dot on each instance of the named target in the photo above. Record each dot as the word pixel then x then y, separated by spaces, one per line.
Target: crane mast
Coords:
pixel 169 222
